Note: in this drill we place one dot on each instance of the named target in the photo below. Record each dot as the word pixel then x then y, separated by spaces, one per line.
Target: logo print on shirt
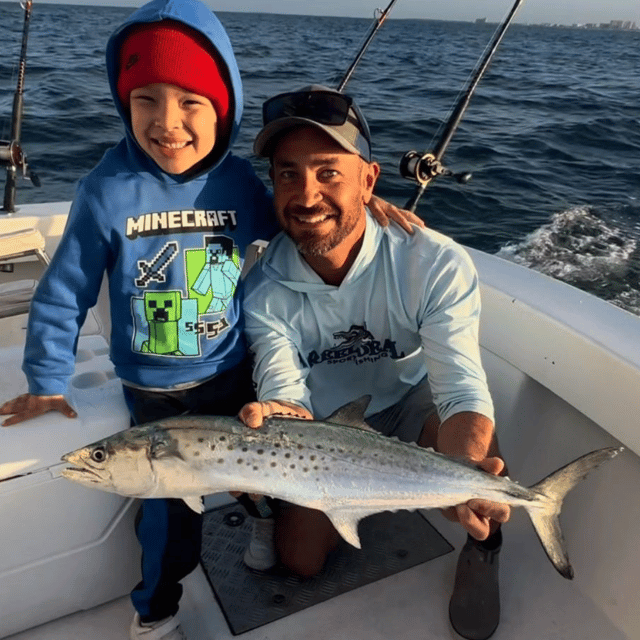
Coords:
pixel 358 345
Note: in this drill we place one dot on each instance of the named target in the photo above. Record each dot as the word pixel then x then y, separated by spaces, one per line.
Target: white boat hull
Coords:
pixel 564 370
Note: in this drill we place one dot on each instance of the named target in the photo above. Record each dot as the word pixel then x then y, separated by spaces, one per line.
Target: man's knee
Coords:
pixel 429 434
pixel 304 538
pixel 300 561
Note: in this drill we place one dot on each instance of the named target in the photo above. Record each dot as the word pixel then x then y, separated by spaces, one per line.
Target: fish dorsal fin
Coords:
pixel 352 414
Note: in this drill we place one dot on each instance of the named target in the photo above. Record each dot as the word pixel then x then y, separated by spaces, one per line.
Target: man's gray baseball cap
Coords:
pixel 316 106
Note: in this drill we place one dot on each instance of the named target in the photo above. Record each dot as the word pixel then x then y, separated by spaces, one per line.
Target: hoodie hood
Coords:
pixel 198 16
pixel 283 263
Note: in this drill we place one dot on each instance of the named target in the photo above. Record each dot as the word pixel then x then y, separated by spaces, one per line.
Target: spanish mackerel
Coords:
pixel 339 466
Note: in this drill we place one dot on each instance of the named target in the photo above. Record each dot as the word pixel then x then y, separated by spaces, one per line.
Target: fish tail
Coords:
pixel 554 488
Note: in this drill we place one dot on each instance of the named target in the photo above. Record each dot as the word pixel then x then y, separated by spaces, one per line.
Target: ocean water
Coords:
pixel 552 135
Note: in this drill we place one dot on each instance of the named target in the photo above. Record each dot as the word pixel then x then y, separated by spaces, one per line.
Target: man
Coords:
pixel 340 307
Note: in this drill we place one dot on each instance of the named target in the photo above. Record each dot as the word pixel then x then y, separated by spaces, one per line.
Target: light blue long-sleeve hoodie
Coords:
pixel 408 307
pixel 155 235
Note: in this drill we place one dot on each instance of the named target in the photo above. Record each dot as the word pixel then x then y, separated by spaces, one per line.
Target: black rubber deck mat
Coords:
pixel 391 542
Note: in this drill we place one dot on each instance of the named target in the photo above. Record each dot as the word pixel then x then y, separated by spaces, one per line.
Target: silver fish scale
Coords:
pixel 324 460
pixel 256 457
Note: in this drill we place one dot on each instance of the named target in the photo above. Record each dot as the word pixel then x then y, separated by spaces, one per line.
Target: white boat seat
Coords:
pixel 19 244
pixel 15 297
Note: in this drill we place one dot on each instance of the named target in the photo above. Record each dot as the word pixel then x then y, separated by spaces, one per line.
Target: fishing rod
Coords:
pixel 11 153
pixel 426 167
pixel 380 16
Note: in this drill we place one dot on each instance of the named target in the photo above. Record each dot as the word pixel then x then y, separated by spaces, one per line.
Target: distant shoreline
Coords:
pixel 613 25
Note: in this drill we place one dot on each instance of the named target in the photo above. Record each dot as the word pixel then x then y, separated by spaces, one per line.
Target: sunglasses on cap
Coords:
pixel 324 107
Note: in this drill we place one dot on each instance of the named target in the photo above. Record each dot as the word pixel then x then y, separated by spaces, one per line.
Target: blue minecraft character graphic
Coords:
pixel 219 274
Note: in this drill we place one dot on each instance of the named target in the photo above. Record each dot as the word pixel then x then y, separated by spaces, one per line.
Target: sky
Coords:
pixel 532 11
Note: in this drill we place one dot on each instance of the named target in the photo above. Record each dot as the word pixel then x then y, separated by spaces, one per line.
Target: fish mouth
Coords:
pixel 78 472
pixel 81 475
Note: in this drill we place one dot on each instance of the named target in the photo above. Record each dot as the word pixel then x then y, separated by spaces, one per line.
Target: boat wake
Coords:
pixel 593 252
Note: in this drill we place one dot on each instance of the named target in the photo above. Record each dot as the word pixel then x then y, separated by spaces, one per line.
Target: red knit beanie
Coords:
pixel 173 53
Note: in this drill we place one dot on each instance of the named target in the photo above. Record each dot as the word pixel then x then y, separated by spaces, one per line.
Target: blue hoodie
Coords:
pixel 172 247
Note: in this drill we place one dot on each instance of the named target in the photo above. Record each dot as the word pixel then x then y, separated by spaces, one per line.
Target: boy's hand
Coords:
pixel 384 211
pixel 253 413
pixel 28 406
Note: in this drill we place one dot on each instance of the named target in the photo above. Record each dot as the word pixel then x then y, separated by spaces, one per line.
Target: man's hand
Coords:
pixel 28 406
pixel 470 436
pixel 476 515
pixel 384 211
pixel 253 413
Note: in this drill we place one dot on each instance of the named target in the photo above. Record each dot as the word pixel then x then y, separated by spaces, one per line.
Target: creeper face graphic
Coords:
pixel 162 311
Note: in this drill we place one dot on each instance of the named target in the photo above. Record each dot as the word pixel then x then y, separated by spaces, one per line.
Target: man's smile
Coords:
pixel 310 217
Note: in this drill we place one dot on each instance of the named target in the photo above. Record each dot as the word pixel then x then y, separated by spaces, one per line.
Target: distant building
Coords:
pixel 618 25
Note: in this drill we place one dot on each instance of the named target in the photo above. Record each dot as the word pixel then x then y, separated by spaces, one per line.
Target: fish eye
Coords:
pixel 99 454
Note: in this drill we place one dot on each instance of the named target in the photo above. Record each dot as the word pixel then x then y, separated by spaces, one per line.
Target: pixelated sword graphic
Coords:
pixel 154 270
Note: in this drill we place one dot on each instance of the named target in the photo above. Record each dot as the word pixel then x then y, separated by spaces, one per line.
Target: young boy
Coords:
pixel 168 214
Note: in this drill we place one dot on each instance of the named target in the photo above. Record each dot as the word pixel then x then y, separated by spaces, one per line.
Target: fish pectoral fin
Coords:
pixel 195 502
pixel 346 522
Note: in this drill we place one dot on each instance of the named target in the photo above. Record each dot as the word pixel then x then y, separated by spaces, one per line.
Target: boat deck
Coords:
pixel 564 370
pixel 537 604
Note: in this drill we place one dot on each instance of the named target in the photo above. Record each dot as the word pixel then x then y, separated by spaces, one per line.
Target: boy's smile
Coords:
pixel 175 127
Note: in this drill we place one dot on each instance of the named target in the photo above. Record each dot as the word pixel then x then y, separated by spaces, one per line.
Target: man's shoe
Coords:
pixel 474 609
pixel 261 554
pixel 167 629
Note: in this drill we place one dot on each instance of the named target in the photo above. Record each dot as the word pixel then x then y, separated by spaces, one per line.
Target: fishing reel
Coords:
pixel 13 157
pixel 424 168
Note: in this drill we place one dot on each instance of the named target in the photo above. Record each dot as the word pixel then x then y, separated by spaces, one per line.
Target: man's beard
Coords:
pixel 310 243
